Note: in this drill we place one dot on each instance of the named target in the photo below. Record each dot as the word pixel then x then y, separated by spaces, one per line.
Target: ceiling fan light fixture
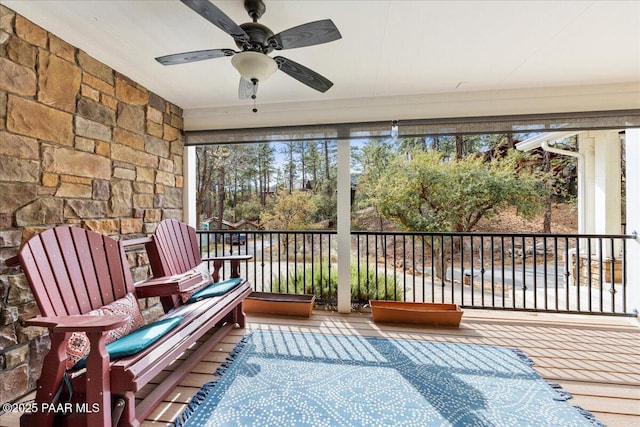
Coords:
pixel 254 65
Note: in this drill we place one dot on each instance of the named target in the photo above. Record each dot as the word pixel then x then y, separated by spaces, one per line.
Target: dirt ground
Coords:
pixel 564 219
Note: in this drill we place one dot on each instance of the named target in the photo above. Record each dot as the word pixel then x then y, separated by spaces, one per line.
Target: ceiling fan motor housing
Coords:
pixel 258 36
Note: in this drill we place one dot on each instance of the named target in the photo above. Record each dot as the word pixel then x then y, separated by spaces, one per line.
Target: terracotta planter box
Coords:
pixel 277 303
pixel 424 313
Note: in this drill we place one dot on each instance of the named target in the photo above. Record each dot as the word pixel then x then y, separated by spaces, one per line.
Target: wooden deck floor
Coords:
pixel 597 359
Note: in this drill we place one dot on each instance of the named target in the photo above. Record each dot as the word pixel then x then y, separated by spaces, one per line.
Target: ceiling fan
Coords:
pixel 256 41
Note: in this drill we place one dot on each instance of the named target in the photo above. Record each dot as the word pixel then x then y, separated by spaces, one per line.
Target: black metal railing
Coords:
pixel 293 262
pixel 537 272
pixel 566 273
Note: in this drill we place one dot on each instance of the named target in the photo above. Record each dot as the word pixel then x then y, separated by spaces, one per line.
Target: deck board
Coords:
pixel 592 357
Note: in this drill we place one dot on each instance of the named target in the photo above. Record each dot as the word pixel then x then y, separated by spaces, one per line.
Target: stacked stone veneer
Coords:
pixel 80 144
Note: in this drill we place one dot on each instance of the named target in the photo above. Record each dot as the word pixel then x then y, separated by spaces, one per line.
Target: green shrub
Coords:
pixel 317 279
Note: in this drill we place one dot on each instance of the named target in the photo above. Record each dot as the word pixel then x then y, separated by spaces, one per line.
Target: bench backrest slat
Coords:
pixel 177 246
pixel 73 266
pixel 73 271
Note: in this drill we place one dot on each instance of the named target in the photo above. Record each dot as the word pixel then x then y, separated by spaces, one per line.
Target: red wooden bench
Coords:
pixel 72 271
pixel 175 248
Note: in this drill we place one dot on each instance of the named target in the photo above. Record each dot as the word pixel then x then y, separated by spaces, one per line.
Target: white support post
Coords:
pixel 189 187
pixel 608 194
pixel 632 144
pixel 344 226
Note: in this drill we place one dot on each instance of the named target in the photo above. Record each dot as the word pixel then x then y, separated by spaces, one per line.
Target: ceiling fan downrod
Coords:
pixel 255 9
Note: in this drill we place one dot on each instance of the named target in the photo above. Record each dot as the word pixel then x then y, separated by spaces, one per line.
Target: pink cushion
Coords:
pixel 203 269
pixel 78 345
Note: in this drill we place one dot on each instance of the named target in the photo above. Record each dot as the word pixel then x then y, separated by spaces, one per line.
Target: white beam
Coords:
pixel 537 100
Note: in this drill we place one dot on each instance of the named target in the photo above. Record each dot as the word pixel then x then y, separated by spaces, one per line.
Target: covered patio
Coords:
pixel 97 134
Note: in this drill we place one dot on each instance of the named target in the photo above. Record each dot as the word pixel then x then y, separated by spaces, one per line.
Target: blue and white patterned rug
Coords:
pixel 293 379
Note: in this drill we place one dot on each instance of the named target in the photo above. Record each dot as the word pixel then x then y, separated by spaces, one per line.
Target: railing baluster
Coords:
pixel 513 272
pixel 493 278
pixel 502 269
pixel 452 250
pixel 462 276
pixel 413 266
pixel 471 278
pixel 612 276
pixel 578 275
pixel 544 254
pixel 623 269
pixel 555 266
pixel 524 273
pixel 433 273
pixel 424 269
pixel 482 271
pixel 443 268
pixel 568 262
pixel 367 269
pixel 375 266
pixel 329 290
pixel 534 257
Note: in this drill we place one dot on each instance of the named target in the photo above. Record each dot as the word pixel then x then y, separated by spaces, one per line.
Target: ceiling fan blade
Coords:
pixel 198 55
pixel 246 89
pixel 303 74
pixel 308 34
pixel 218 18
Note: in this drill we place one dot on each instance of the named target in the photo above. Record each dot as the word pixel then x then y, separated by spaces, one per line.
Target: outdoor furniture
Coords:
pixel 175 249
pixel 72 272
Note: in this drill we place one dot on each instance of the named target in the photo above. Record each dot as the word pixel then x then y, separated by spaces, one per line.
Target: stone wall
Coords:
pixel 80 144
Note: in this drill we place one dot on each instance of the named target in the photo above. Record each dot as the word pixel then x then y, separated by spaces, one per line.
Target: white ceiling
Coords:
pixel 392 53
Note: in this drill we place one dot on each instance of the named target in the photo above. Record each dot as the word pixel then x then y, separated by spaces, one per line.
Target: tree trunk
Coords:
pixel 459 147
pixel 220 198
pixel 440 264
pixel 327 169
pixel 546 226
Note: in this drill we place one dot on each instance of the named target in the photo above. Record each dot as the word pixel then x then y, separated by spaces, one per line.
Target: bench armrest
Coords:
pixel 135 242
pixel 79 323
pixel 167 285
pixel 228 258
pixel 12 262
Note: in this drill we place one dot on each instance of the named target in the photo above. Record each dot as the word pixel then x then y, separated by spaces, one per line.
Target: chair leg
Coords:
pixel 98 381
pixel 235 316
pixel 49 382
pixel 241 317
pixel 128 413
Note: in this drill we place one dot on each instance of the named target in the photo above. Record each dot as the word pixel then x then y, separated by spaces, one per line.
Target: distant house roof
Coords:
pixel 243 224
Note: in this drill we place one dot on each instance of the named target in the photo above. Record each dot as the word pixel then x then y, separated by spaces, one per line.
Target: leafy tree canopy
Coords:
pixel 420 192
pixel 290 211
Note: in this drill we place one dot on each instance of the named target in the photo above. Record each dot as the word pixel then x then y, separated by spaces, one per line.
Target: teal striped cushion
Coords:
pixel 137 340
pixel 215 289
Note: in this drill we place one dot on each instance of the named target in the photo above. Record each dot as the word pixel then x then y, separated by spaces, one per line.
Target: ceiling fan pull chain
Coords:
pixel 254 94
